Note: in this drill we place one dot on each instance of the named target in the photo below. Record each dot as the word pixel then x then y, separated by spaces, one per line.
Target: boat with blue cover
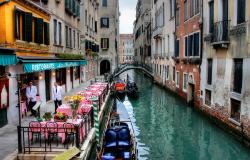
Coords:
pixel 119 141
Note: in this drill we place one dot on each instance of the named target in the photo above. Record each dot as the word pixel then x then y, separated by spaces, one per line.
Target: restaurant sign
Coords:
pixel 36 67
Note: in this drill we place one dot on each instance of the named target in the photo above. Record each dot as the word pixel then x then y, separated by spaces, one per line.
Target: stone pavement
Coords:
pixel 8 133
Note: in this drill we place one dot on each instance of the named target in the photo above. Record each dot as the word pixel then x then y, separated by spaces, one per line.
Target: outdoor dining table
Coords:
pixel 65 108
pixel 61 131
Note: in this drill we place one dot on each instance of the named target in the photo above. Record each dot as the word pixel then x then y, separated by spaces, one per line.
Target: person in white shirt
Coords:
pixel 31 92
pixel 57 95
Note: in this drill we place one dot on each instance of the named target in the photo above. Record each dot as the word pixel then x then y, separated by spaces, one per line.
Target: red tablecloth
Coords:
pixel 61 130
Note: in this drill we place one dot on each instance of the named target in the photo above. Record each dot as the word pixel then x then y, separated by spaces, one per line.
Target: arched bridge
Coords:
pixel 146 69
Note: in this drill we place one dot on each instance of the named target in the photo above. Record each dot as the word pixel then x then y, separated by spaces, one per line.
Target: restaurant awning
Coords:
pixel 7 57
pixel 40 64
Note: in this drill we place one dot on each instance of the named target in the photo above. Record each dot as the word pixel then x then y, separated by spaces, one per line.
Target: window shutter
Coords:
pixel 186 46
pixel 27 26
pixel 107 42
pixel 38 30
pixel 241 11
pixel 46 33
pixel 196 44
pixel 107 22
pixel 102 43
pixel 101 22
pixel 190 45
pixel 96 26
pixel 16 20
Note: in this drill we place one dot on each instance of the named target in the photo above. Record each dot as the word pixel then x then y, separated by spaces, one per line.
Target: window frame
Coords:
pixel 185 75
pixel 177 79
pixel 103 25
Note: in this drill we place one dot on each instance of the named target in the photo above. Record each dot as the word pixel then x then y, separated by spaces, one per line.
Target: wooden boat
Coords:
pixel 132 89
pixel 120 89
pixel 119 139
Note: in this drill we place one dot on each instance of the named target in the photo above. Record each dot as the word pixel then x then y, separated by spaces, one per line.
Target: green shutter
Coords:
pixel 39 30
pixel 27 26
pixel 46 33
pixel 78 10
pixel 67 4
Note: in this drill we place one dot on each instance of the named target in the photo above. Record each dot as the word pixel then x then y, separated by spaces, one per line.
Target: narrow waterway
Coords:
pixel 168 129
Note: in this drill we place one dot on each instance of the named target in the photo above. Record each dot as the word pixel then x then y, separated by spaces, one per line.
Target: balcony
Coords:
pixel 157 32
pixel 220 37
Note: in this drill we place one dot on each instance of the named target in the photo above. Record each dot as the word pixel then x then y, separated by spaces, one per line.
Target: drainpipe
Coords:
pixel 2 3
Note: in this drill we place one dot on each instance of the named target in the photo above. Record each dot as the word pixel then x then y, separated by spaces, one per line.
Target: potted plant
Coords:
pixel 47 116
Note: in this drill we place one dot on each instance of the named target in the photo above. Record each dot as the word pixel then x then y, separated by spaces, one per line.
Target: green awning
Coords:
pixel 36 65
pixel 7 57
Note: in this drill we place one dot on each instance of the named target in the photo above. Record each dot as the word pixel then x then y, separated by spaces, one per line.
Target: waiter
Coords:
pixel 57 95
pixel 31 92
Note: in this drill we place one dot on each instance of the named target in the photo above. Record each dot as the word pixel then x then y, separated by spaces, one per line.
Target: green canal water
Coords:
pixel 168 129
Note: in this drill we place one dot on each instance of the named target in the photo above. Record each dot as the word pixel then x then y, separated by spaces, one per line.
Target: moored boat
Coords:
pixel 120 89
pixel 132 89
pixel 119 139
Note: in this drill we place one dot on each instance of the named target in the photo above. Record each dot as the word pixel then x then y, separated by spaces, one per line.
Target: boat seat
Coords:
pixel 123 138
pixel 110 138
pixel 108 156
pixel 126 156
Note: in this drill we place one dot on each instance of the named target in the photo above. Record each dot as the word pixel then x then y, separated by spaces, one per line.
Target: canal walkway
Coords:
pixel 8 133
pixel 168 129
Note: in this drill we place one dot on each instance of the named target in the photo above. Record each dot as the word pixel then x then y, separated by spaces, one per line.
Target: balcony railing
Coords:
pixel 221 32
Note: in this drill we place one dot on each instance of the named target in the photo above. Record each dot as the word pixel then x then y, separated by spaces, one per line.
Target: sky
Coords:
pixel 127 10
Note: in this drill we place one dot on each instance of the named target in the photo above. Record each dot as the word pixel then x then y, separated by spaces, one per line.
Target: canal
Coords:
pixel 169 129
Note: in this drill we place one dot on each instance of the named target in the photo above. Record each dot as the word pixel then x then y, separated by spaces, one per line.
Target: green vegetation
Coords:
pixel 70 56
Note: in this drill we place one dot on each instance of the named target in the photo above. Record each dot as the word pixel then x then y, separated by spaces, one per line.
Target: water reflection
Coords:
pixel 166 128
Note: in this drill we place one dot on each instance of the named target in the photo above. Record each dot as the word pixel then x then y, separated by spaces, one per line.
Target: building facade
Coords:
pixel 225 73
pixel 188 49
pixel 44 36
pixel 109 36
pixel 89 22
pixel 163 37
pixel 142 22
pixel 126 48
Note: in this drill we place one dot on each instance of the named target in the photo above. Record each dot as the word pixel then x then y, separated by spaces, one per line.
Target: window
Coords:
pixel 241 11
pixel 177 17
pixel 186 10
pixel 70 37
pixel 197 6
pixel 60 33
pixel 177 79
pixel 211 16
pixel 185 81
pixel 209 71
pixel 172 8
pixel 167 72
pixel 104 43
pixel 55 31
pixel 159 17
pixel 67 35
pixel 192 3
pixel 173 73
pixel 30 29
pixel 86 18
pixel 61 76
pixel 104 22
pixel 208 97
pixel 235 110
pixel 104 3
pixel 74 39
pixel 192 45
pixel 78 41
pixel 95 26
pixel 238 74
pixel 177 50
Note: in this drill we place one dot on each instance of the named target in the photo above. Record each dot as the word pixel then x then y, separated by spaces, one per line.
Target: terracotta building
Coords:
pixel 188 49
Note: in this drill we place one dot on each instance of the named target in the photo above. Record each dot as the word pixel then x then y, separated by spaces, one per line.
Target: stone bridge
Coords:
pixel 146 69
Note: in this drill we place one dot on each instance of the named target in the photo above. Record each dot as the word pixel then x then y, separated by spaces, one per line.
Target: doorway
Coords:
pixel 71 77
pixel 190 98
pixel 47 84
pixel 104 67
